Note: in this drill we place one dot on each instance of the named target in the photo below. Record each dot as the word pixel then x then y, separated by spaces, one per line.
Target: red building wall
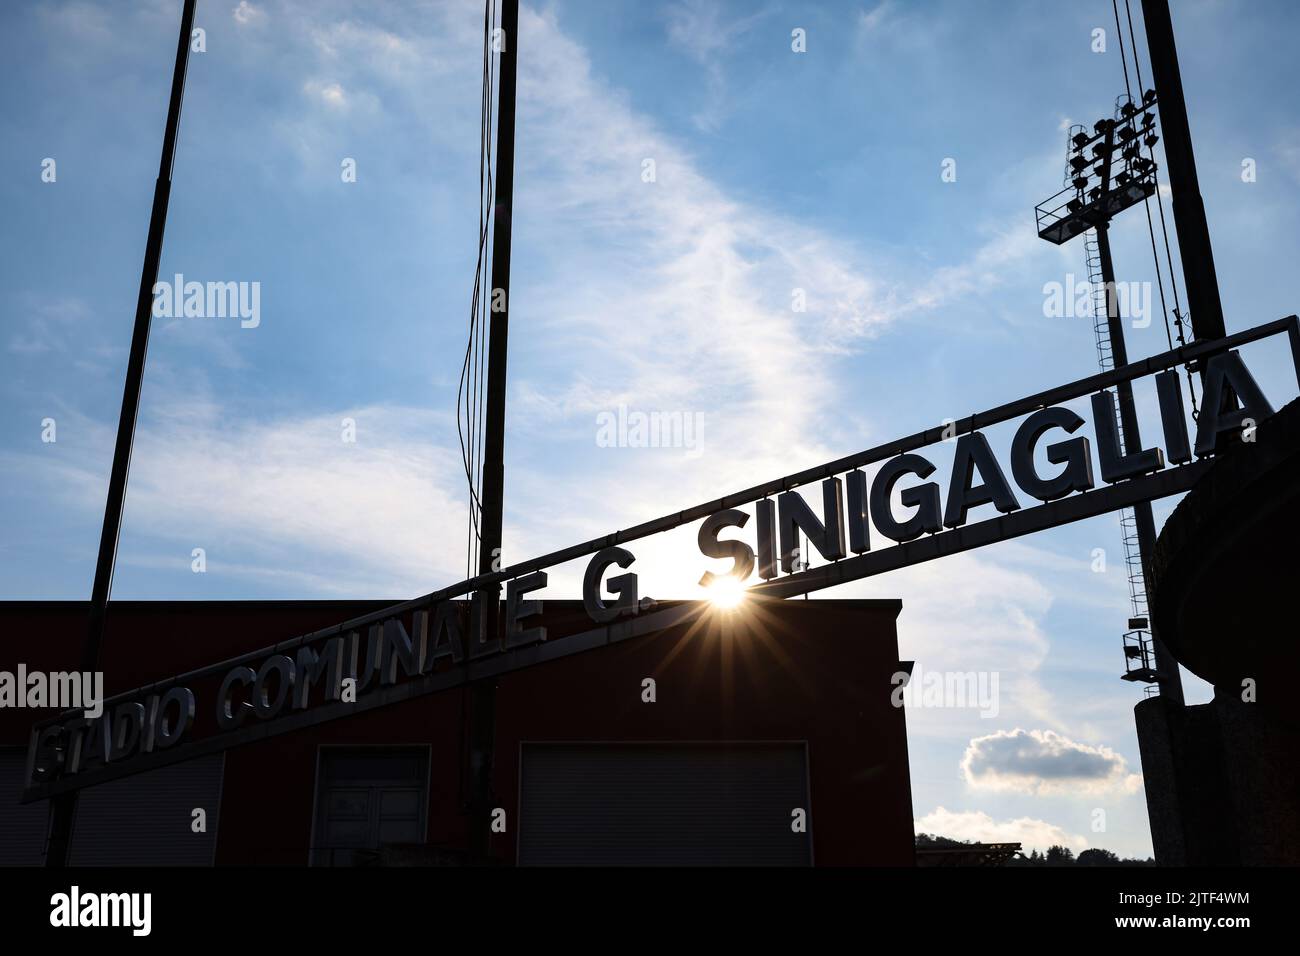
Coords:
pixel 814 671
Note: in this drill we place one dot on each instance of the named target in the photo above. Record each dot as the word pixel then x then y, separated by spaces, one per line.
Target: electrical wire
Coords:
pixel 470 387
pixel 1160 205
pixel 1122 58
pixel 1146 205
pixel 1164 229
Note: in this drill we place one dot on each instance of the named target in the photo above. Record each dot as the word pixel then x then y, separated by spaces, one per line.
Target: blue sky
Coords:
pixel 775 171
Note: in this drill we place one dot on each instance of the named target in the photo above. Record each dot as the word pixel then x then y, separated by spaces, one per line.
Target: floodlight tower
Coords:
pixel 1107 174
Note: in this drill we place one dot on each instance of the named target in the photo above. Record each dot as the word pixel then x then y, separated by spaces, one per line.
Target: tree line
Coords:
pixel 1055 855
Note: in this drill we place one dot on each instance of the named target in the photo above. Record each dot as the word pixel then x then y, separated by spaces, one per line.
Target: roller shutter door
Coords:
pixel 22 826
pixel 145 819
pixel 669 804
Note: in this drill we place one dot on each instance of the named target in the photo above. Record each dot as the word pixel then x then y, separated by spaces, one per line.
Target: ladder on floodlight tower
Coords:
pixel 1139 654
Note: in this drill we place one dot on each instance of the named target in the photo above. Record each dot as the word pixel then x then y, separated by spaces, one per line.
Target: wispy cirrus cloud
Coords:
pixel 41 326
pixel 705 32
pixel 873 19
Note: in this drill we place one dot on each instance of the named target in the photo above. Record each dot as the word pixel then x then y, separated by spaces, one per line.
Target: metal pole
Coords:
pixel 63 808
pixel 482 718
pixel 1171 683
pixel 1205 308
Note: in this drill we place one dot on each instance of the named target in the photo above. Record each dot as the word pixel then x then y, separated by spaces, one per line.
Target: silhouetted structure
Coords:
pixel 1225 788
pixel 967 854
pixel 757 713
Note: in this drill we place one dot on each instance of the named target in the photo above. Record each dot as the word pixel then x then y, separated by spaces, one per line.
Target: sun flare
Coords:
pixel 726 592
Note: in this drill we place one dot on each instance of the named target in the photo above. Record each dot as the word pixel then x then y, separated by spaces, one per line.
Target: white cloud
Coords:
pixel 331 94
pixel 377 516
pixel 366 48
pixel 871 20
pixel 1044 762
pixel 890 26
pixel 362 82
pixel 700 29
pixel 90 24
pixel 245 13
pixel 285 500
pixel 992 265
pixel 56 325
pixel 979 827
pixel 675 294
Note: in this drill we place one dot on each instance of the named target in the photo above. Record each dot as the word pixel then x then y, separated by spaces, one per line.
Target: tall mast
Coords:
pixel 64 807
pixel 483 692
